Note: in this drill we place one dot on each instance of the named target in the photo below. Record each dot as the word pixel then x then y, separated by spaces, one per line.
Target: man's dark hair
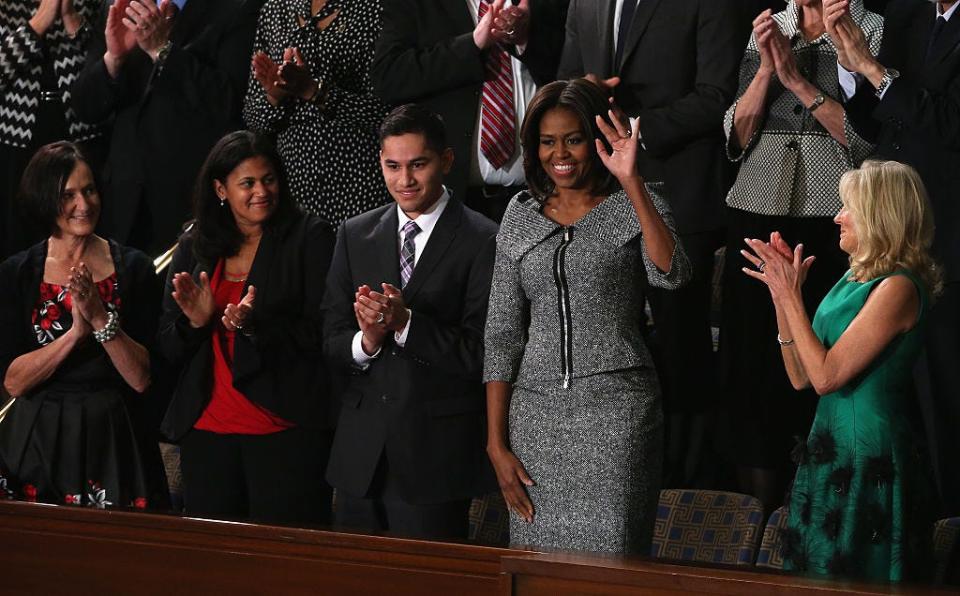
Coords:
pixel 416 119
pixel 40 196
pixel 586 101
pixel 217 234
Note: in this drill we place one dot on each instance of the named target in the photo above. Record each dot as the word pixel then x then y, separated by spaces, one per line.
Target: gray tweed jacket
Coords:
pixel 566 301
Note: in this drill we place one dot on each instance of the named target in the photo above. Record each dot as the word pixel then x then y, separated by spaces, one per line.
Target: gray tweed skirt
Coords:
pixel 594 451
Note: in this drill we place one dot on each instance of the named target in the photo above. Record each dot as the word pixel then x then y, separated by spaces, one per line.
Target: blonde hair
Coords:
pixel 894 222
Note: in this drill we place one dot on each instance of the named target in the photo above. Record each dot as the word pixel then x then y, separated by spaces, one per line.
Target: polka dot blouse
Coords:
pixel 330 151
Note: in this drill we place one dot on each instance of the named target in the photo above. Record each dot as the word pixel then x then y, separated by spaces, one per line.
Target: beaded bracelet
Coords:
pixel 109 330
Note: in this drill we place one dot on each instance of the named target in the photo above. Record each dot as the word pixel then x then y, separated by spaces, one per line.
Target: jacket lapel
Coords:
pixel 605 13
pixel 386 250
pixel 946 42
pixel 641 19
pixel 263 260
pixel 439 244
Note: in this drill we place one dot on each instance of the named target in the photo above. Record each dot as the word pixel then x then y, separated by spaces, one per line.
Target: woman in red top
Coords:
pixel 241 318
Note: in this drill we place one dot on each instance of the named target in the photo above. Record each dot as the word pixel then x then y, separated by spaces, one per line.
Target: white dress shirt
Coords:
pixel 849 80
pixel 426 221
pixel 481 172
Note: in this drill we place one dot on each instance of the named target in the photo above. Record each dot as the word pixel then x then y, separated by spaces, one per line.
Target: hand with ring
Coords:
pixel 151 24
pixel 782 269
pixel 86 297
pixel 512 25
pixel 236 316
pixel 379 313
pixel 621 159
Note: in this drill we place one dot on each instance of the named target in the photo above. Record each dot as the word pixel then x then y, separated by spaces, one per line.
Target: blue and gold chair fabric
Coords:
pixel 489 520
pixel 770 555
pixel 707 526
pixel 946 535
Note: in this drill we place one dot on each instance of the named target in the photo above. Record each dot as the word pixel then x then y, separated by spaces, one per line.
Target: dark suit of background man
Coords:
pixel 677 61
pixel 168 103
pixel 406 305
pixel 439 54
pixel 917 121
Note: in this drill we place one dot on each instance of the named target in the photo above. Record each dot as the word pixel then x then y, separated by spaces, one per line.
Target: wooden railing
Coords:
pixel 67 550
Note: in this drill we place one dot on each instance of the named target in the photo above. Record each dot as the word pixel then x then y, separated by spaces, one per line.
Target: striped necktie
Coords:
pixel 408 252
pixel 497 114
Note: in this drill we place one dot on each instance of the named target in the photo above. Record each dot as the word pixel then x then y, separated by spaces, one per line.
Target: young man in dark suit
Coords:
pixel 405 307
pixel 672 66
pixel 908 100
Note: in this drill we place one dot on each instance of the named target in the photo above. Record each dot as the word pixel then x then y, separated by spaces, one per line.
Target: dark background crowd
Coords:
pixel 741 117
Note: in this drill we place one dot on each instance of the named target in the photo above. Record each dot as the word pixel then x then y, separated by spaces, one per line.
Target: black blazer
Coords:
pixel 425 54
pixel 679 75
pixel 918 121
pixel 279 365
pixel 165 122
pixel 423 403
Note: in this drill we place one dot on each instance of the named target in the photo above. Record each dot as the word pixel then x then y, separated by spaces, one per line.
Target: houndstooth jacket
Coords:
pixel 791 165
pixel 22 54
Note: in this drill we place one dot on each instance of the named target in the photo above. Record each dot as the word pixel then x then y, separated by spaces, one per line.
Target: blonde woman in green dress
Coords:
pixel 862 502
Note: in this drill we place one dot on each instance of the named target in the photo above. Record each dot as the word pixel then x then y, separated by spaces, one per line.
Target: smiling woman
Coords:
pixel 240 320
pixel 77 363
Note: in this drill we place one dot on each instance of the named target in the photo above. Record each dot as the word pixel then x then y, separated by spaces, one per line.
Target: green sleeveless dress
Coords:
pixel 862 501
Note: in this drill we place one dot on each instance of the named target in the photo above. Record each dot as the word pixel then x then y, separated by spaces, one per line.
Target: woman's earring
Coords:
pixel 223 202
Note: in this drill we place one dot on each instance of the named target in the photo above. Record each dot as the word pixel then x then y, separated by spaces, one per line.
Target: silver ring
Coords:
pixel 761 265
pixel 628 133
pixel 380 318
pixel 510 31
pixel 238 326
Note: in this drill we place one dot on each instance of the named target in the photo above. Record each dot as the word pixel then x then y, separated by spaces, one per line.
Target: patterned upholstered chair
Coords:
pixel 707 526
pixel 946 545
pixel 490 520
pixel 770 555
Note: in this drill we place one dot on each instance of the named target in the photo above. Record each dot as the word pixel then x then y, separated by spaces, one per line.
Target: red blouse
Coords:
pixel 229 411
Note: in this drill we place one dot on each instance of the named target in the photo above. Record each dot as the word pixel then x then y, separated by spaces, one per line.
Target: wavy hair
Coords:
pixel 893 220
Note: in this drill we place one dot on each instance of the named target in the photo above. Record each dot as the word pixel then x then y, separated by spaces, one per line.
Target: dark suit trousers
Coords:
pixel 273 478
pixel 382 509
pixel 683 344
pixel 938 380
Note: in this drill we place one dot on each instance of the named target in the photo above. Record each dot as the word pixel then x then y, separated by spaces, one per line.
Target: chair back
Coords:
pixel 707 526
pixel 770 554
pixel 489 520
pixel 946 546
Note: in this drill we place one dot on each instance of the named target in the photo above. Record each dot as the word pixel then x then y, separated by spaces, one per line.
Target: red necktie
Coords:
pixel 497 115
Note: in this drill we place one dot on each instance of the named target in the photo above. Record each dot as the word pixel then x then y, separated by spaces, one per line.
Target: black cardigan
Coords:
pixel 20 277
pixel 279 365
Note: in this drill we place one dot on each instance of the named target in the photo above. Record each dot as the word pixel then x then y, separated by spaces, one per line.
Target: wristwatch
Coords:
pixel 889 75
pixel 163 52
pixel 817 102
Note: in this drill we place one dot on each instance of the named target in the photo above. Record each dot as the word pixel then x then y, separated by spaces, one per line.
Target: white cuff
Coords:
pixel 361 358
pixel 401 338
pixel 848 82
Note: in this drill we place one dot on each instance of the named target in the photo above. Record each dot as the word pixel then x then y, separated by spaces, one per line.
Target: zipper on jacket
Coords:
pixel 563 305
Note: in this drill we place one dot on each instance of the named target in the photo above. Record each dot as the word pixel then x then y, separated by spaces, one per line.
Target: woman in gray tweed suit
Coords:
pixel 573 402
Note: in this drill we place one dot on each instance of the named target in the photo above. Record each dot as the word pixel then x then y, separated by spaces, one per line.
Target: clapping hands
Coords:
pixel 781 268
pixel 86 306
pixel 195 300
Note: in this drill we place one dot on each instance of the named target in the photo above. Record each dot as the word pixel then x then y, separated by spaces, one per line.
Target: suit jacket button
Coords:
pixel 896 146
pixel 394 352
pixel 384 398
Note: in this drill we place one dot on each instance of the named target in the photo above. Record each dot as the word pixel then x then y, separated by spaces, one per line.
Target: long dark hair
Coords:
pixel 215 230
pixel 584 99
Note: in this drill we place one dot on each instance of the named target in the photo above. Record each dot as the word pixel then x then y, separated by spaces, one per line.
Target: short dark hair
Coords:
pixel 585 100
pixel 40 196
pixel 216 233
pixel 416 119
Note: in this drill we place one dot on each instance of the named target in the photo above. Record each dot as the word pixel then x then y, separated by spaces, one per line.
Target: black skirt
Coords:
pixel 763 411
pixel 75 444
